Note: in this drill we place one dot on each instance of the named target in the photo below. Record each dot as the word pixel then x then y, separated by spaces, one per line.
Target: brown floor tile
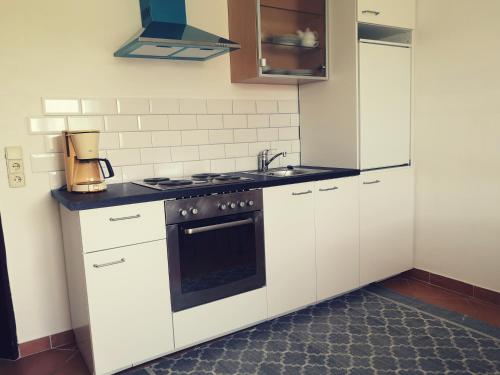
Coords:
pixel 63 338
pixel 45 363
pixel 35 346
pixel 451 284
pixel 487 295
pixel 74 366
pixel 417 274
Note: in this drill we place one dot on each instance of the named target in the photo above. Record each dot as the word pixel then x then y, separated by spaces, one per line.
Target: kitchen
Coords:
pixel 436 216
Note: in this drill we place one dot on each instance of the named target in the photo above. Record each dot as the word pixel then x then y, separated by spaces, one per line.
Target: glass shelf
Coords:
pixel 290 46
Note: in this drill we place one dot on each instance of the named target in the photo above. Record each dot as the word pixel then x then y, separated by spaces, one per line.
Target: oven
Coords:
pixel 215 247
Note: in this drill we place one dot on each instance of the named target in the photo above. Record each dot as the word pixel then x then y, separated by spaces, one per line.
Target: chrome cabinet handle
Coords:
pixel 329 189
pixel 303 193
pixel 371 182
pixel 218 226
pixel 374 12
pixel 112 219
pixel 110 263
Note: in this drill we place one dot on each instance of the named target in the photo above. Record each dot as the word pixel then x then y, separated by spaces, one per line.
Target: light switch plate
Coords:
pixel 16 180
pixel 13 153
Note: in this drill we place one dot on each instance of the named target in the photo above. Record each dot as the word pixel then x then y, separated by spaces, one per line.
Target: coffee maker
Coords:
pixel 84 171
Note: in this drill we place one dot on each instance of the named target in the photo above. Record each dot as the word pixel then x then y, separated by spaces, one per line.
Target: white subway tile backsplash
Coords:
pixel 267 106
pixel 210 122
pixel 166 138
pixel 137 172
pixel 281 146
pixel 117 178
pixel 133 106
pixel 222 166
pixel 156 155
pixel 219 106
pixel 220 136
pixel 53 143
pixel 235 121
pixel 86 123
pixel 244 107
pixel 169 170
pixel 255 148
pixel 288 134
pixel 135 140
pixel 109 141
pixel 296 146
pixel 258 121
pixel 245 135
pixel 194 167
pixel 47 162
pixel 280 120
pixel 194 137
pixel 193 106
pixel 291 159
pixel 165 106
pixel 47 125
pixel 153 122
pixel 121 123
pixel 61 106
pixel 182 122
pixel 288 106
pixel 124 157
pixel 236 150
pixel 295 119
pixel 269 135
pixel 246 164
pixel 104 106
pixel 212 152
pixel 185 153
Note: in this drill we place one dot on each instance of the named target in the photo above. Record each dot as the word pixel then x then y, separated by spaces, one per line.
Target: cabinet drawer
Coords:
pixel 106 228
pixel 397 13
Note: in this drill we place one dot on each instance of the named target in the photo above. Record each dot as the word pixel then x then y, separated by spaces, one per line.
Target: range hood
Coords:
pixel 166 35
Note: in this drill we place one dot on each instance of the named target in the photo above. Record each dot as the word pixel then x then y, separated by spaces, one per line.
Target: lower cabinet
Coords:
pixel 386 223
pixel 337 236
pixel 290 252
pixel 129 305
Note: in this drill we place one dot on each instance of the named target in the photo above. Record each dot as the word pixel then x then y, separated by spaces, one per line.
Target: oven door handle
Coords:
pixel 218 226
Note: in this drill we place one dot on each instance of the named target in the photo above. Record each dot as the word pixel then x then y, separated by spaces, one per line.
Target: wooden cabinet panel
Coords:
pixel 397 13
pixel 386 223
pixel 337 236
pixel 290 249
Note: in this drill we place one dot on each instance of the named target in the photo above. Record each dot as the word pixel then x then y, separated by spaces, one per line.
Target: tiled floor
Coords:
pixel 67 360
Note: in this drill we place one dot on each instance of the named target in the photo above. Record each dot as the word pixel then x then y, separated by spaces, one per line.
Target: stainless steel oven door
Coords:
pixel 215 258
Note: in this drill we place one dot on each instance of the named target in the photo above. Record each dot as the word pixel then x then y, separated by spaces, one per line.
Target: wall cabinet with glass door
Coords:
pixel 282 41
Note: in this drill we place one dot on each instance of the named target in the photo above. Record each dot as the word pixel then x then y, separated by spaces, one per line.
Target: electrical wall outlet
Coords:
pixel 16 180
pixel 15 166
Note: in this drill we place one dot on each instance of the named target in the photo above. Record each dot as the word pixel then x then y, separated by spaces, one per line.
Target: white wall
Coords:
pixel 457 145
pixel 63 48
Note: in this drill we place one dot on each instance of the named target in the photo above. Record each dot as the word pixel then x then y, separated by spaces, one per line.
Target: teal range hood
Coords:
pixel 166 35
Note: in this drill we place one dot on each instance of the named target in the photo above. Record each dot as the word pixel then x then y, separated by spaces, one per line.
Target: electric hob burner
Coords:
pixel 155 181
pixel 205 176
pixel 175 183
pixel 227 177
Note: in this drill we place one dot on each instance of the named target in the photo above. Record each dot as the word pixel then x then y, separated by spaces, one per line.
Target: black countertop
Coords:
pixel 128 193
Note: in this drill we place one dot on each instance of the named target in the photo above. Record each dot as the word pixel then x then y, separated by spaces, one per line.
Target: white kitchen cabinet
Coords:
pixel 385 100
pixel 386 223
pixel 290 250
pixel 396 13
pixel 337 236
pixel 129 305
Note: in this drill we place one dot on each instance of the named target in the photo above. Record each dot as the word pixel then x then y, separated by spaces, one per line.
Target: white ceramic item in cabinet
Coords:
pixel 337 236
pixel 386 223
pixel 384 105
pixel 290 249
pixel 129 305
pixel 397 13
pixel 106 228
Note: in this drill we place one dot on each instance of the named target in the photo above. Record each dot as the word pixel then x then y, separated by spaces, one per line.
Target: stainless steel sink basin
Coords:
pixel 285 172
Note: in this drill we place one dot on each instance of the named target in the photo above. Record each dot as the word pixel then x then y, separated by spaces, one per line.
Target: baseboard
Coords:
pixel 46 343
pixel 454 285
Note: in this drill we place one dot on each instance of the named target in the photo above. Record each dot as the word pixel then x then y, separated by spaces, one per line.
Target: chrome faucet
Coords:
pixel 264 161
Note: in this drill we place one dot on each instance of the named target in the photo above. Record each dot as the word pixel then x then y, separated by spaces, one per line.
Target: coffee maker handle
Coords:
pixel 108 167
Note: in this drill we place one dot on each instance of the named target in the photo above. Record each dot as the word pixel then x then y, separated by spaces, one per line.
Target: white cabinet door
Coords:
pixel 386 223
pixel 290 249
pixel 129 305
pixel 385 105
pixel 397 13
pixel 337 236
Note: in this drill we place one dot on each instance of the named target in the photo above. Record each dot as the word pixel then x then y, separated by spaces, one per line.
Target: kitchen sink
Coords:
pixel 285 172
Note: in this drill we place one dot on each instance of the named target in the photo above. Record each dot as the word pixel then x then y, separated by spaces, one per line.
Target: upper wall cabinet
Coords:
pixel 282 41
pixel 396 13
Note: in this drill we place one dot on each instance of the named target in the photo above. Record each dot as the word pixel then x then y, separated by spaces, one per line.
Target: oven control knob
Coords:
pixel 242 204
pixel 232 205
pixel 183 212
pixel 222 206
pixel 250 203
pixel 194 211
